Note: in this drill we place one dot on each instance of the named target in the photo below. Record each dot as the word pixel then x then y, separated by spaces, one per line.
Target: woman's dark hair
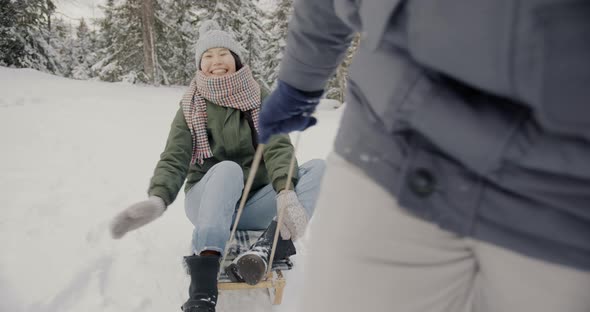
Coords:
pixel 239 64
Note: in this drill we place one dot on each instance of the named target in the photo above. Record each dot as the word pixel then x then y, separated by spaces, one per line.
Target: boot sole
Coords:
pixel 197 306
pixel 252 269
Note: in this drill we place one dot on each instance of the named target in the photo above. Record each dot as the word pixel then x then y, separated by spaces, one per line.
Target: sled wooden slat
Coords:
pixel 272 282
pixel 279 288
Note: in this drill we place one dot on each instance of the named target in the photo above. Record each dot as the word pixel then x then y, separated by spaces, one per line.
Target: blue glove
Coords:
pixel 287 109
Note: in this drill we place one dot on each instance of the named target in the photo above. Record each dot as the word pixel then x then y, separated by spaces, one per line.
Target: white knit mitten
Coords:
pixel 137 215
pixel 295 218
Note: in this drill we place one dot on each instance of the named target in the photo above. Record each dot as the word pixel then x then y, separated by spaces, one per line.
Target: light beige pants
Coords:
pixel 366 254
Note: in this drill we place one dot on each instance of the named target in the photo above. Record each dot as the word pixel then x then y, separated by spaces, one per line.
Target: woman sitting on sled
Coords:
pixel 211 145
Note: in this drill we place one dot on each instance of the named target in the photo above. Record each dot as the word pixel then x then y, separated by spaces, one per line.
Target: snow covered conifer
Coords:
pixel 244 20
pixel 27 25
pixel 277 30
pixel 83 52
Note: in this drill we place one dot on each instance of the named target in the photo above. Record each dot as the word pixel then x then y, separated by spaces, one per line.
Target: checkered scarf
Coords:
pixel 238 90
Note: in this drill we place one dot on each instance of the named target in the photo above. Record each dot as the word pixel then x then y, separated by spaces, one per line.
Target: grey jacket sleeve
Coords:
pixel 316 44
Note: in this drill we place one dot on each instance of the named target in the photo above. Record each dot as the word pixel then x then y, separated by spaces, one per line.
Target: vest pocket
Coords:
pixel 565 83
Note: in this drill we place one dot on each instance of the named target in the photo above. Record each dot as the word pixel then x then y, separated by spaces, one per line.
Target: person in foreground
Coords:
pixel 211 145
pixel 460 178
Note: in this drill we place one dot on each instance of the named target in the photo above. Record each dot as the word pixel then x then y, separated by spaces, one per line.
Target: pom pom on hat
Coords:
pixel 208 26
pixel 211 36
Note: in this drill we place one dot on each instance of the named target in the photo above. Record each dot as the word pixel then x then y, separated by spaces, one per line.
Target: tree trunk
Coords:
pixel 149 53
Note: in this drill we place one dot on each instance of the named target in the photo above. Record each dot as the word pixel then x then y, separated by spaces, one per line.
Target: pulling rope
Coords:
pixel 249 182
pixel 281 210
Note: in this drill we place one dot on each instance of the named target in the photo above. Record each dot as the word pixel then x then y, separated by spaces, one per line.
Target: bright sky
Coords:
pixel 76 9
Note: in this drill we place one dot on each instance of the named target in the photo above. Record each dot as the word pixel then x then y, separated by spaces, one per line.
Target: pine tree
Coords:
pixel 128 41
pixel 11 48
pixel 106 68
pixel 242 20
pixel 121 45
pixel 122 40
pixel 177 60
pixel 84 54
pixel 277 30
pixel 63 42
pixel 28 35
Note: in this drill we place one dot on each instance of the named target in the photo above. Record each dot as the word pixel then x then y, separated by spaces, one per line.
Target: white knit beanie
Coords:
pixel 211 36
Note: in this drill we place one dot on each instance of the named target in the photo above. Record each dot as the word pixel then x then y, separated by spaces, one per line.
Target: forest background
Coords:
pixel 145 41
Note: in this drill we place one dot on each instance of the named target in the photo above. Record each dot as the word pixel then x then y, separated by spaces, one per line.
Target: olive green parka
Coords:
pixel 231 139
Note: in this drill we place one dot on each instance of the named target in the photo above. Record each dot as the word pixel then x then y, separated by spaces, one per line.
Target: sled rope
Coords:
pixel 281 210
pixel 248 186
pixel 249 182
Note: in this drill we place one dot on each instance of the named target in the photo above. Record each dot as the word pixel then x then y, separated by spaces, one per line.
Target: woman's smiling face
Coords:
pixel 218 62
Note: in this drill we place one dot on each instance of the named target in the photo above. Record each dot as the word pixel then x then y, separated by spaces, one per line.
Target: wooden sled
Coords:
pixel 275 283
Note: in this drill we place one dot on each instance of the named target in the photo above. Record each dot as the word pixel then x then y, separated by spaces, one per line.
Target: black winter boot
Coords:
pixel 251 266
pixel 203 289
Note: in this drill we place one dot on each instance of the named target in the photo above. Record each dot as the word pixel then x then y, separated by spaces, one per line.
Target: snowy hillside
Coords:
pixel 74 153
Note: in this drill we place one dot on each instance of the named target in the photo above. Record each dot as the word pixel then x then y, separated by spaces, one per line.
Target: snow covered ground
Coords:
pixel 73 154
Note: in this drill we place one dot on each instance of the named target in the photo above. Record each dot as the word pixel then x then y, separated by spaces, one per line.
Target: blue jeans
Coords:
pixel 211 204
